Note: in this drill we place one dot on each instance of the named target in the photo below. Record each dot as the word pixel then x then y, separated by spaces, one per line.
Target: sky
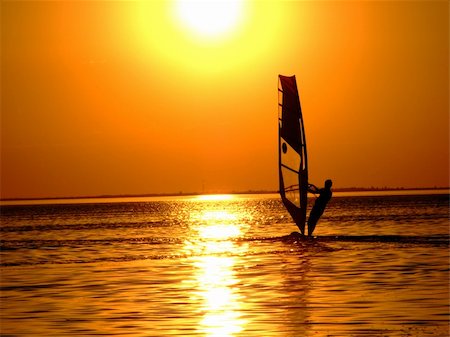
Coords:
pixel 137 97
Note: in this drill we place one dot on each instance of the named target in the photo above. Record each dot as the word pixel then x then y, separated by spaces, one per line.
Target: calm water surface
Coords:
pixel 210 266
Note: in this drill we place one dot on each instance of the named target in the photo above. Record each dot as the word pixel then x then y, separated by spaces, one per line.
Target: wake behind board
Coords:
pixel 429 240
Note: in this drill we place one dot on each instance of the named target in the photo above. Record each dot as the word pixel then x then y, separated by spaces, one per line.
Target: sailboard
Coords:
pixel 292 157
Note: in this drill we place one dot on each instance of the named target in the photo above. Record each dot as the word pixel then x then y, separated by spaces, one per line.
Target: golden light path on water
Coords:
pixel 214 282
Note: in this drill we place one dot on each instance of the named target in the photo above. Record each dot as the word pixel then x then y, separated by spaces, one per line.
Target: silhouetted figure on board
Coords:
pixel 320 204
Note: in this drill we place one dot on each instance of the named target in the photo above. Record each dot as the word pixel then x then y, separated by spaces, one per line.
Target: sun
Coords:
pixel 209 19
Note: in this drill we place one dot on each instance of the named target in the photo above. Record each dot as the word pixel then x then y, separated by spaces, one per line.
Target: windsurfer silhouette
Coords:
pixel 320 204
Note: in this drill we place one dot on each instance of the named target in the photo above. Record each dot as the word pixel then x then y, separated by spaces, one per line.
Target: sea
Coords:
pixel 225 265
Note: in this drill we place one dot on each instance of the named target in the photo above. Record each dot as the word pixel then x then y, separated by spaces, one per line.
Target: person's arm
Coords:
pixel 313 188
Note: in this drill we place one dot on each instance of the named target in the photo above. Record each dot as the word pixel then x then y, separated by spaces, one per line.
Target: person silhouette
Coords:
pixel 320 204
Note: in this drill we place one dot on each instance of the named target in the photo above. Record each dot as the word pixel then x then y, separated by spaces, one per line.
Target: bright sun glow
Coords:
pixel 215 197
pixel 210 18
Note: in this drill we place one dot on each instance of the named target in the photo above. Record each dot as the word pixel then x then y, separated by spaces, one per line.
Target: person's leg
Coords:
pixel 314 217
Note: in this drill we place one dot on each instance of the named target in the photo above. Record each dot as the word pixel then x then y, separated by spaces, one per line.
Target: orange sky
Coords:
pixel 106 97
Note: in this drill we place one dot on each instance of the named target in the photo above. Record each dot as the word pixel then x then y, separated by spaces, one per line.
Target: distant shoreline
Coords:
pixel 184 194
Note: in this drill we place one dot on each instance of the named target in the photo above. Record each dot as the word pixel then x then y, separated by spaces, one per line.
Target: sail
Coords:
pixel 292 158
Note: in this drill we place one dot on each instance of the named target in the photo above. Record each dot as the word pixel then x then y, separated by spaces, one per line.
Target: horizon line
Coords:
pixel 170 194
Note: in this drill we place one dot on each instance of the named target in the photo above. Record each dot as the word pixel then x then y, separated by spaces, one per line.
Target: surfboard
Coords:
pixel 292 155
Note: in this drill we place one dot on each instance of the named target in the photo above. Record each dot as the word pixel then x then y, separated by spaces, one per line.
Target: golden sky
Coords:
pixel 125 97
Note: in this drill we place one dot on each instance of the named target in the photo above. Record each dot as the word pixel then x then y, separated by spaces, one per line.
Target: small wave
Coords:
pixel 131 258
pixel 93 260
pixel 88 226
pixel 36 244
pixel 403 239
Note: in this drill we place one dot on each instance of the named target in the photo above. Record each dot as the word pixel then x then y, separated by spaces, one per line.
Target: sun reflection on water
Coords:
pixel 220 303
pixel 214 197
pixel 215 285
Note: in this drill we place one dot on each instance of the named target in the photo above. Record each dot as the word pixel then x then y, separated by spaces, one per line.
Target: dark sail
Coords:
pixel 292 158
